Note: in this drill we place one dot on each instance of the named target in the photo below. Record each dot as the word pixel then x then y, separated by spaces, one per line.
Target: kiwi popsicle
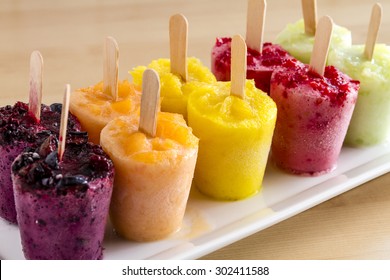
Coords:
pixel 298 38
pixel 370 64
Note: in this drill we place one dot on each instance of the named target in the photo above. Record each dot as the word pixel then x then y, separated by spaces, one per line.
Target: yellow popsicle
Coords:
pixel 235 137
pixel 174 91
pixel 153 176
pixel 95 109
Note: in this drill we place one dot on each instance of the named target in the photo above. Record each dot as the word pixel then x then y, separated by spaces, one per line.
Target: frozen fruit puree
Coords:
pixel 62 207
pixel 20 129
pixel 300 45
pixel 95 109
pixel 313 116
pixel 235 138
pixel 174 94
pixel 153 175
pixel 259 66
pixel 370 122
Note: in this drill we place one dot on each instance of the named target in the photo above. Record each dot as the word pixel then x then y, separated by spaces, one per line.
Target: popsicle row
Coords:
pixel 217 135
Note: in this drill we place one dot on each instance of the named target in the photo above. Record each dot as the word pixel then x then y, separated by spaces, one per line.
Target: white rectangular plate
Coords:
pixel 210 225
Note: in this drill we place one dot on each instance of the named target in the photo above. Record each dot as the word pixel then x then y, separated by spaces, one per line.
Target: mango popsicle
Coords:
pixel 177 72
pixel 153 174
pixel 314 110
pixel 370 122
pixel 298 38
pixel 94 108
pixel 235 136
pixel 96 105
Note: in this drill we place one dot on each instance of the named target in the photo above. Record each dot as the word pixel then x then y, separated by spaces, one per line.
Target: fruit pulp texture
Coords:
pixel 235 137
pixel 20 129
pixel 7 200
pixel 95 109
pixel 300 45
pixel 313 116
pixel 63 227
pixel 259 66
pixel 370 123
pixel 174 94
pixel 153 175
pixel 62 207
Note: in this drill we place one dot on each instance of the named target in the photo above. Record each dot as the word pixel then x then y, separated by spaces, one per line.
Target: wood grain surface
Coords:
pixel 70 35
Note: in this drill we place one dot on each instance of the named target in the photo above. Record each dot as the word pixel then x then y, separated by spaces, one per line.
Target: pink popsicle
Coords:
pixel 314 112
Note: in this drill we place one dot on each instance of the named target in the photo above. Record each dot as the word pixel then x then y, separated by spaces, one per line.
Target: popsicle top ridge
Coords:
pixel 81 163
pixel 334 85
pixel 19 124
pixel 172 140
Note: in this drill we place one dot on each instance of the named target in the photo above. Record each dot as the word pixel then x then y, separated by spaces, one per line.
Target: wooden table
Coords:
pixel 70 34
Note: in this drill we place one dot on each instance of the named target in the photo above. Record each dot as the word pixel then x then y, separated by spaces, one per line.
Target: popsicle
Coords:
pixel 298 38
pixel 155 160
pixel 234 122
pixel 262 58
pixel 178 72
pixel 23 126
pixel 315 105
pixel 62 197
pixel 96 105
pixel 370 64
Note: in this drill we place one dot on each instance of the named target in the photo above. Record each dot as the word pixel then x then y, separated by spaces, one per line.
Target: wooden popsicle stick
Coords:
pixel 178 41
pixel 373 28
pixel 64 122
pixel 110 68
pixel 149 102
pixel 321 45
pixel 255 24
pixel 309 11
pixel 238 66
pixel 35 94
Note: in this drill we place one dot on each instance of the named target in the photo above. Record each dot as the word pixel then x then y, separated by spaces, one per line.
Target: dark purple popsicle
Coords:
pixel 19 129
pixel 62 207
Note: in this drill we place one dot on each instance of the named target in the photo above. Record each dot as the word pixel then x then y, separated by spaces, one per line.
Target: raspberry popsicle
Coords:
pixel 234 122
pixel 262 59
pixel 370 122
pixel 298 38
pixel 314 110
pixel 62 201
pixel 178 72
pixel 155 162
pixel 96 105
pixel 259 65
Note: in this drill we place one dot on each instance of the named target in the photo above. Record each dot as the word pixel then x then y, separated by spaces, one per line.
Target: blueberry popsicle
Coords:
pixel 62 202
pixel 154 171
pixel 178 72
pixel 370 122
pixel 235 125
pixel 298 38
pixel 315 105
pixel 21 128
